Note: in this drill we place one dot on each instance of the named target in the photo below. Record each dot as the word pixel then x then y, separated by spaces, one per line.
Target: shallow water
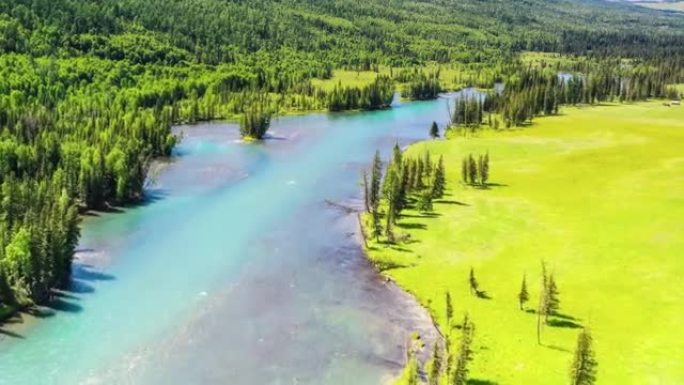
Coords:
pixel 236 270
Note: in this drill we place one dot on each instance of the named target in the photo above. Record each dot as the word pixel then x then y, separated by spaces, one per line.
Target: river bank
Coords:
pixel 214 273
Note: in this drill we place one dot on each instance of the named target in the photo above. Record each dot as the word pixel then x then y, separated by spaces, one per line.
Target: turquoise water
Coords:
pixel 236 270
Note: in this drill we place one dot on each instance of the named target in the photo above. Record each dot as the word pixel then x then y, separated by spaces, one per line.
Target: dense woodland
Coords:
pixel 89 89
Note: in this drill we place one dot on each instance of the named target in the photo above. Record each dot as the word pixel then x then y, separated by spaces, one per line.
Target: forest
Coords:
pixel 89 89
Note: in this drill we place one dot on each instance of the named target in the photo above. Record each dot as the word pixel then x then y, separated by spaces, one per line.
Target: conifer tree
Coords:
pixel 551 301
pixel 472 281
pixel 375 182
pixel 472 170
pixel 464 170
pixel 583 369
pixel 465 352
pixel 484 171
pixel 523 295
pixel 376 225
pixel 424 204
pixel 366 192
pixel 434 130
pixel 389 222
pixel 542 301
pixel 435 366
pixel 439 179
pixel 449 311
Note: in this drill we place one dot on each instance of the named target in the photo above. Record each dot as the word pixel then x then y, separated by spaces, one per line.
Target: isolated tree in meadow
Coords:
pixel 551 301
pixel 523 295
pixel 474 286
pixel 434 130
pixel 465 353
pixel 438 180
pixel 542 301
pixel 583 369
pixel 449 311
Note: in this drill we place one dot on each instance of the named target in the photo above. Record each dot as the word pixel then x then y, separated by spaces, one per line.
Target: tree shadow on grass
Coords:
pixel 383 266
pixel 482 294
pixel 557 348
pixel 488 186
pixel 412 226
pixel 422 215
pixel 451 202
pixel 563 323
pixel 477 381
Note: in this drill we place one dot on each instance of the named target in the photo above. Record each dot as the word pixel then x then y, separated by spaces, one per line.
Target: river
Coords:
pixel 236 269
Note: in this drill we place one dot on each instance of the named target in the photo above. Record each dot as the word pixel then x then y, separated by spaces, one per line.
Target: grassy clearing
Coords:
pixel 596 193
pixel 451 77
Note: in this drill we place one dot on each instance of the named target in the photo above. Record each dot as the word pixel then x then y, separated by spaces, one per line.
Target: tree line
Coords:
pixel 402 183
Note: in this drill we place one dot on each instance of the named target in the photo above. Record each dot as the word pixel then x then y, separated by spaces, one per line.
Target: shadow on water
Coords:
pixel 150 196
pixel 12 334
pixel 86 273
pixel 60 305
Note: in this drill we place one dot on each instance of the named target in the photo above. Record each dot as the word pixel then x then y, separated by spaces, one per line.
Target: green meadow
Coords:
pixel 597 193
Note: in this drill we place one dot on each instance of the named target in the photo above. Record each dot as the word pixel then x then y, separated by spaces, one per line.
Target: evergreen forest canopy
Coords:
pixel 89 89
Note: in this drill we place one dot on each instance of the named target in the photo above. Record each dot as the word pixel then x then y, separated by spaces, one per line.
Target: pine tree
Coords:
pixel 542 302
pixel 375 182
pixel 474 286
pixel 551 301
pixel 389 234
pixel 472 170
pixel 438 181
pixel 376 225
pixel 424 204
pixel 465 352
pixel 366 192
pixel 484 171
pixel 449 311
pixel 434 130
pixel 435 366
pixel 480 167
pixel 583 369
pixel 464 170
pixel 523 295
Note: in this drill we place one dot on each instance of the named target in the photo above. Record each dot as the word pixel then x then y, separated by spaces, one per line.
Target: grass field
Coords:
pixel 452 77
pixel 598 194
